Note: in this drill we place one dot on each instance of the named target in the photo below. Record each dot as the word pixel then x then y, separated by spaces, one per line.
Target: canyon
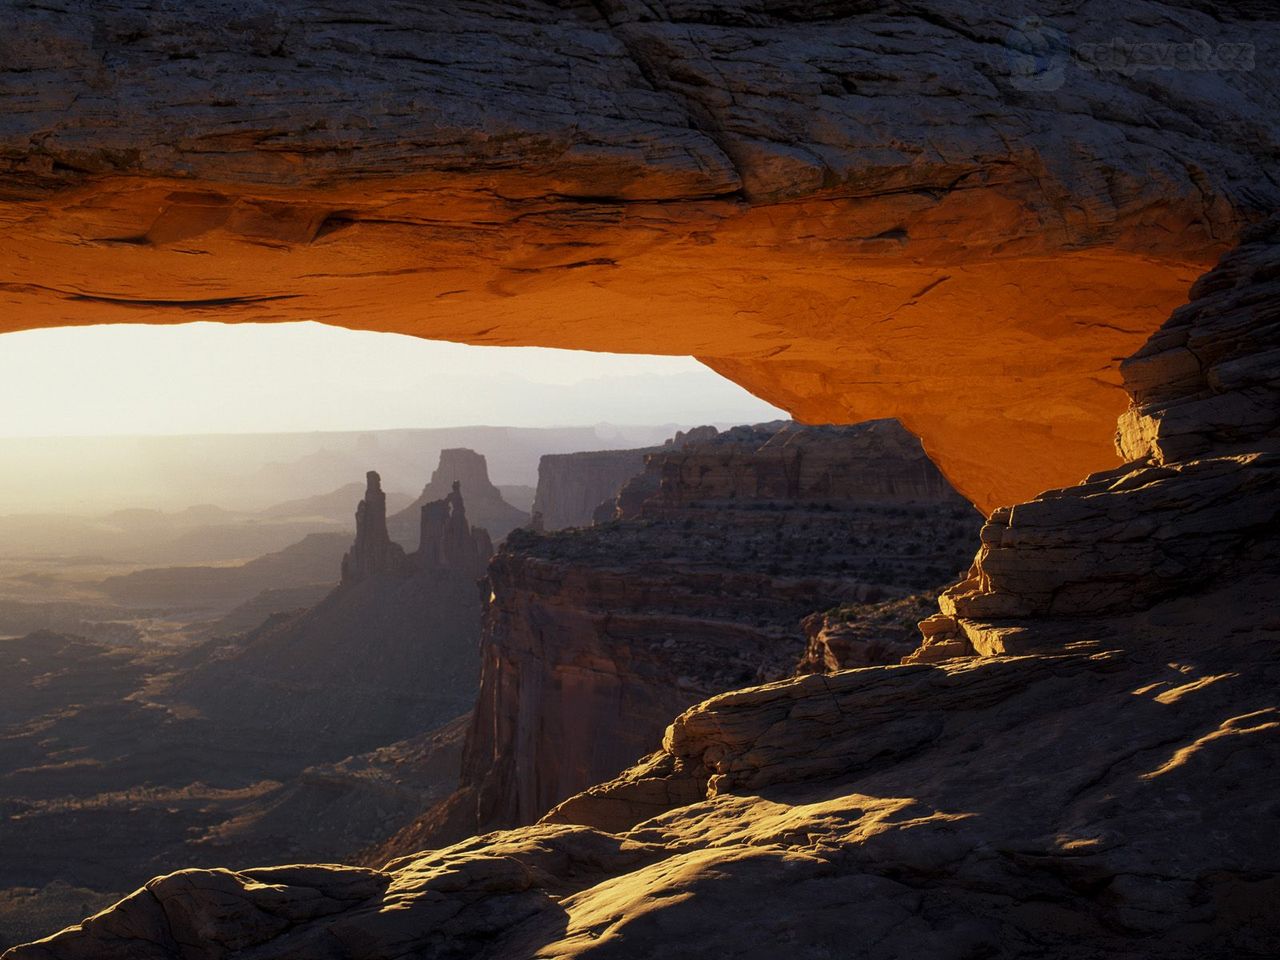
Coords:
pixel 1091 779
pixel 931 212
pixel 594 638
pixel 311 733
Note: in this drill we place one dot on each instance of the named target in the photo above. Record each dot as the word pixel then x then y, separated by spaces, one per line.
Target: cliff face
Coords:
pixel 1111 792
pixel 572 485
pixel 877 461
pixel 594 638
pixel 596 176
pixel 459 467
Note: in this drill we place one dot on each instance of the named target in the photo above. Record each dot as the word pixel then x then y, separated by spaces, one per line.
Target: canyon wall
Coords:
pixel 571 486
pixel 594 638
pixel 787 461
pixel 929 212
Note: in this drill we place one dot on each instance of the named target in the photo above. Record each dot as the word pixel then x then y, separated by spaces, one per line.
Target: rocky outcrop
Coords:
pixel 864 634
pixel 1094 803
pixel 571 486
pixel 870 462
pixel 447 541
pixel 594 638
pixel 469 471
pixel 373 552
pixel 596 176
pixel 1199 498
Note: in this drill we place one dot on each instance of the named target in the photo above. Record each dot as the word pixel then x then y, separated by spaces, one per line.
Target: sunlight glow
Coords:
pixel 218 378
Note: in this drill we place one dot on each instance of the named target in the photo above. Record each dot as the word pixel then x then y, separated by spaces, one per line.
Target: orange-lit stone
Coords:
pixel 852 214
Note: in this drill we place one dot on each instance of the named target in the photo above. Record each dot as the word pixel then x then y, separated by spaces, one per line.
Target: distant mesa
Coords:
pixel 484 500
pixel 579 489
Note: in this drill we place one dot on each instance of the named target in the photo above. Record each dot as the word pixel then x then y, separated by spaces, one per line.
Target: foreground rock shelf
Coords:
pixel 1096 802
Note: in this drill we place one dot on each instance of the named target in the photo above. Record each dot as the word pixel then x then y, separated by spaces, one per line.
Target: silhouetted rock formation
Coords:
pixel 595 637
pixel 448 541
pixel 373 552
pixel 469 469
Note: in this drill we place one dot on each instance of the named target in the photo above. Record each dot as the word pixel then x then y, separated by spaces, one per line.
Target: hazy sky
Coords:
pixel 216 378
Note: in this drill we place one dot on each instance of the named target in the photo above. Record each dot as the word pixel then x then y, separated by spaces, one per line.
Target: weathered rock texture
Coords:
pixel 578 489
pixel 789 462
pixel 1199 499
pixel 864 634
pixel 594 638
pixel 932 211
pixel 459 467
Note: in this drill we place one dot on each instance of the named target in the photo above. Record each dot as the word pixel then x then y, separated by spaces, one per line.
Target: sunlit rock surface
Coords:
pixel 1197 503
pixel 943 212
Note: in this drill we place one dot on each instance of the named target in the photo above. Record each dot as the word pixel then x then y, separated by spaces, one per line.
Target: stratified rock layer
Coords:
pixel 791 462
pixel 571 486
pixel 941 213
pixel 594 638
pixel 1199 500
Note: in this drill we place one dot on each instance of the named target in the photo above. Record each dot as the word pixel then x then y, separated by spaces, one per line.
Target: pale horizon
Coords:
pixel 134 380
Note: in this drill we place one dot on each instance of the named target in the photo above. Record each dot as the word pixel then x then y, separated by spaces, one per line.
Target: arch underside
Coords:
pixel 924 240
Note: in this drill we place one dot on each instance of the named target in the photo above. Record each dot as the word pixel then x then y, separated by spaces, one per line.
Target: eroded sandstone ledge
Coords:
pixel 855 210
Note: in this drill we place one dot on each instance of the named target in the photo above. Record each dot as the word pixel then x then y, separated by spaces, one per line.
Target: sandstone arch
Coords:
pixel 852 209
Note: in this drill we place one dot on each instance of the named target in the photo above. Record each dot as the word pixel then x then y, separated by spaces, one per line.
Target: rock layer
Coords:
pixel 596 176
pixel 571 486
pixel 1199 499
